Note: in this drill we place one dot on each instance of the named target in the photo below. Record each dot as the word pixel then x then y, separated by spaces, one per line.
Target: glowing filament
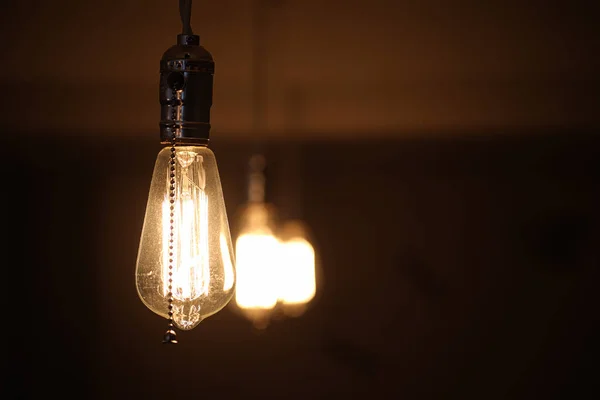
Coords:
pixel 189 256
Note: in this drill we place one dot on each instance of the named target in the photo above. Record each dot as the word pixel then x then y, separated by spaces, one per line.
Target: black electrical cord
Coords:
pixel 185 11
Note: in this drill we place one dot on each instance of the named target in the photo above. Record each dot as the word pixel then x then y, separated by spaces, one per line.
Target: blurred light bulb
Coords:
pixel 297 280
pixel 257 261
pixel 203 275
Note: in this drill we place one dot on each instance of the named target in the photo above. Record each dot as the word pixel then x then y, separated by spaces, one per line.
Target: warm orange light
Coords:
pixel 297 283
pixel 191 276
pixel 273 272
pixel 257 263
pixel 185 240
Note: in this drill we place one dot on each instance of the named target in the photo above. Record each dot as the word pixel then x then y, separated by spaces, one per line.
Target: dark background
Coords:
pixel 445 155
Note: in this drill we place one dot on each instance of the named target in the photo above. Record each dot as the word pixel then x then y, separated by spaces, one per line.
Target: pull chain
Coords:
pixel 185 12
pixel 170 335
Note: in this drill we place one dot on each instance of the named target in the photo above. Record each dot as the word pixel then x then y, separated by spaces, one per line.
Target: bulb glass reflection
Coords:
pixel 203 275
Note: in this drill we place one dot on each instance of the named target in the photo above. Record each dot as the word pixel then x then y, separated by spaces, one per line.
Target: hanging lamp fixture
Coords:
pixel 257 251
pixel 185 265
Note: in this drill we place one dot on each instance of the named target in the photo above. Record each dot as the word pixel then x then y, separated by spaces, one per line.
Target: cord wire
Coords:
pixel 185 12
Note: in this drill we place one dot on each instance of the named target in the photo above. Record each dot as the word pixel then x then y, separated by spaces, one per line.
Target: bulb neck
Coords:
pixel 183 141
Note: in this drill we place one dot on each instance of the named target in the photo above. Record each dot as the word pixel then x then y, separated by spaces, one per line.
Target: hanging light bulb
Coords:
pixel 297 273
pixel 185 265
pixel 257 251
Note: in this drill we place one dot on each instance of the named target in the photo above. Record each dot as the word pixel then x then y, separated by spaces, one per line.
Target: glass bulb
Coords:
pixel 257 251
pixel 203 274
pixel 297 281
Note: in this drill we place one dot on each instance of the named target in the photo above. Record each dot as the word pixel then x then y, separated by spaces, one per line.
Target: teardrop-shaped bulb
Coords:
pixel 199 260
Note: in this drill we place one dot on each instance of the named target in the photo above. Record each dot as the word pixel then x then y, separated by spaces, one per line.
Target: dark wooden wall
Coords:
pixel 452 269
